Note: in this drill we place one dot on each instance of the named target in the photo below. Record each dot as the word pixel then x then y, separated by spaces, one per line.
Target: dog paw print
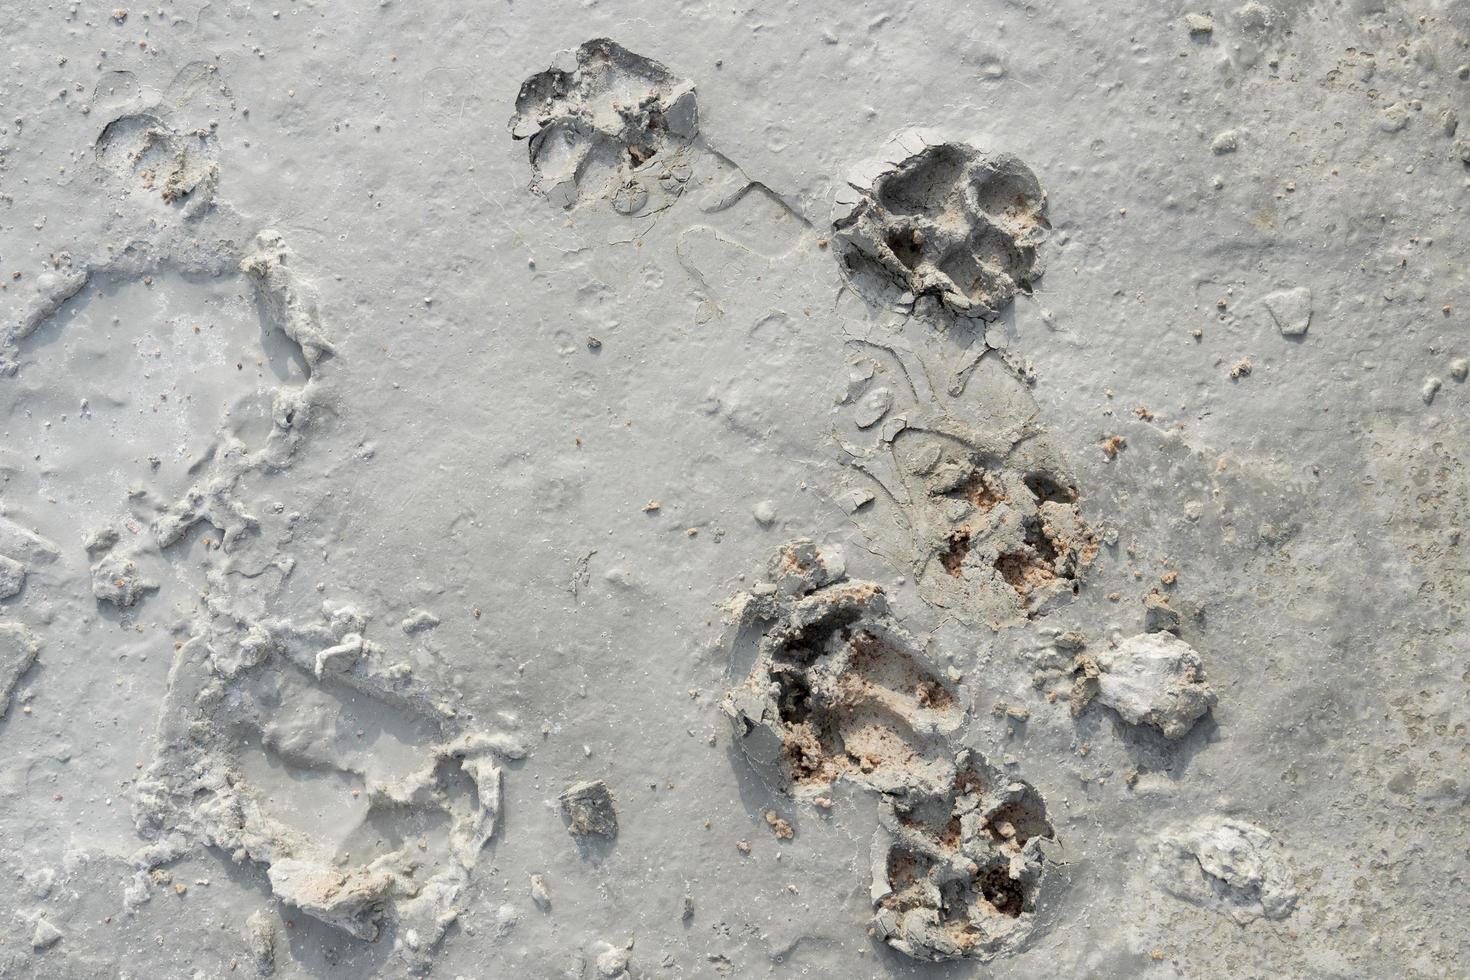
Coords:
pixel 610 124
pixel 944 221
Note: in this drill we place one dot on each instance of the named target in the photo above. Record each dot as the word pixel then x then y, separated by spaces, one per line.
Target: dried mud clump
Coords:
pixel 840 690
pixel 1151 679
pixel 944 220
pixel 353 901
pixel 116 579
pixel 957 876
pixel 607 123
pixel 12 577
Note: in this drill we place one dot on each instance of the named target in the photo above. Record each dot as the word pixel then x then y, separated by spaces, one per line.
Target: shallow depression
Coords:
pixel 130 382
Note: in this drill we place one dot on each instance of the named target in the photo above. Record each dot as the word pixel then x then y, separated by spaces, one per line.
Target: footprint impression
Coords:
pixel 162 387
pixel 951 477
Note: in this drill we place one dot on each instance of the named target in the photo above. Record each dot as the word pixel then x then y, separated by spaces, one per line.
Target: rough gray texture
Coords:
pixel 293 325
pixel 1228 866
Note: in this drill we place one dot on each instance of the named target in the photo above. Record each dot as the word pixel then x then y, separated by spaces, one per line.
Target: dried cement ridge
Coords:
pixel 840 690
pixel 943 221
pixel 18 650
pixel 606 122
pixel 287 697
pixel 268 269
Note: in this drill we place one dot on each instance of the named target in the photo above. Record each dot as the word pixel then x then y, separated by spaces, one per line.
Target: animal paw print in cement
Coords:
pixel 609 124
pixel 840 690
pixel 944 220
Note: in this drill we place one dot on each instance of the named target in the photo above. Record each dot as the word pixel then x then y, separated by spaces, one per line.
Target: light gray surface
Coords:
pixel 444 438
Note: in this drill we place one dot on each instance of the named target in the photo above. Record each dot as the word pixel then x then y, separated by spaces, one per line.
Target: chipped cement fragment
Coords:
pixel 100 541
pixel 540 893
pixel 1291 309
pixel 12 577
pixel 606 123
pixel 116 579
pixel 1394 117
pixel 613 962
pixel 1227 866
pixel 44 936
pixel 353 901
pixel 942 221
pixel 1459 369
pixel 25 546
pixel 588 809
pixel 1429 389
pixel 1151 679
pixel 872 407
pixel 856 499
pixel 1158 615
pixel 1225 142
pixel 1199 25
pixel 18 650
pixel 260 934
pixel 764 512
